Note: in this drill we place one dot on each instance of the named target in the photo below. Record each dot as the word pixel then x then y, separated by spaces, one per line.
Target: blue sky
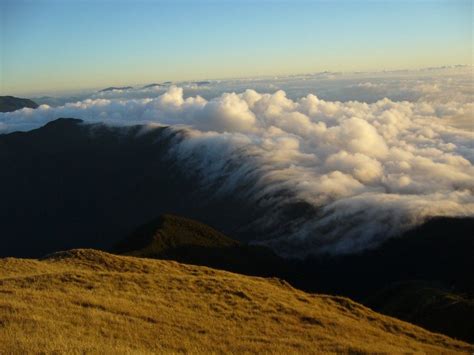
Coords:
pixel 52 46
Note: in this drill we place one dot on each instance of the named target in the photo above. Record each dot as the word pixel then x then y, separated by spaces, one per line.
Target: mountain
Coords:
pixel 201 83
pixel 82 185
pixel 168 233
pixel 412 278
pixel 112 88
pixel 425 276
pixel 11 103
pixel 155 85
pixel 188 241
pixel 439 252
pixel 74 185
pixel 89 301
pixel 432 308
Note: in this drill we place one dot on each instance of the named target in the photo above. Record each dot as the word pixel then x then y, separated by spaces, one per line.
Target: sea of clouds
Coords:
pixel 374 153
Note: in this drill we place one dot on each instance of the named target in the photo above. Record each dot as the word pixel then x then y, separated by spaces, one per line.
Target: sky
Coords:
pixel 57 46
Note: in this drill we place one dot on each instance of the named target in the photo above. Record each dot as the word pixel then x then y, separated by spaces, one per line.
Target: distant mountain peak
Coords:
pixel 63 121
pixel 169 232
pixel 11 103
pixel 112 88
pixel 149 86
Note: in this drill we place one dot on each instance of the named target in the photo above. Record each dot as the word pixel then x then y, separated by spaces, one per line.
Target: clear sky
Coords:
pixel 55 45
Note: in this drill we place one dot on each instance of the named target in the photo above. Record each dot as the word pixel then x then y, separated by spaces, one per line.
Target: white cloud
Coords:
pixel 370 169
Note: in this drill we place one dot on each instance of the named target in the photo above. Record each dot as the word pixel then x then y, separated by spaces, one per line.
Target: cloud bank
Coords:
pixel 369 170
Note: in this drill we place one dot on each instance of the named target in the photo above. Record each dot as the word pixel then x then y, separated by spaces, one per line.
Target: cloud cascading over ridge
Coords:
pixel 370 170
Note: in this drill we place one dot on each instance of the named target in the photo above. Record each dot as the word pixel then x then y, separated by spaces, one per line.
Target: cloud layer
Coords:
pixel 370 170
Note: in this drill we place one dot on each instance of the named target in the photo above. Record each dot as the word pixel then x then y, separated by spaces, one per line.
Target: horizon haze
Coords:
pixel 52 46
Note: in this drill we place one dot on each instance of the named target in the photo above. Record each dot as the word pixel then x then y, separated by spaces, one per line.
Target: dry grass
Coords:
pixel 89 301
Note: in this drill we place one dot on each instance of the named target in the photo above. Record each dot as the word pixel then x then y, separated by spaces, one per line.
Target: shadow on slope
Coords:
pixel 438 251
pixel 188 241
pixel 428 306
pixel 68 185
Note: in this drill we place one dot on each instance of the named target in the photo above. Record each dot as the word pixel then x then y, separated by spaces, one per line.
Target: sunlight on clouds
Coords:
pixel 381 167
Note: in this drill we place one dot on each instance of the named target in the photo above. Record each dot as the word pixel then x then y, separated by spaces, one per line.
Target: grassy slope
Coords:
pixel 85 300
pixel 419 302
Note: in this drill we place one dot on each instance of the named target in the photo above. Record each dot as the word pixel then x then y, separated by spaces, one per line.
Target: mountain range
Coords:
pixel 72 185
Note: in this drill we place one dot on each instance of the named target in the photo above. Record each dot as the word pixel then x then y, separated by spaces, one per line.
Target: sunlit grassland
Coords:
pixel 89 301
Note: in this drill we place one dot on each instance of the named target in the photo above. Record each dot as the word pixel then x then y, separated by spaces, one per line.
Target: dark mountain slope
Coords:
pixel 432 308
pixel 440 251
pixel 11 103
pixel 170 232
pixel 74 185
pixel 69 185
pixel 188 241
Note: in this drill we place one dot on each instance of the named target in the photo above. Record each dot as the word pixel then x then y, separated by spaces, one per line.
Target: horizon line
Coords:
pixel 137 85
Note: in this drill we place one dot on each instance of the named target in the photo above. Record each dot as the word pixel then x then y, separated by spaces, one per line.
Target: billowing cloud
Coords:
pixel 369 169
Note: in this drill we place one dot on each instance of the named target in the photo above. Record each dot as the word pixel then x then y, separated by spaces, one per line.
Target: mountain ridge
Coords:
pixel 112 88
pixel 427 302
pixel 98 302
pixel 12 103
pixel 83 185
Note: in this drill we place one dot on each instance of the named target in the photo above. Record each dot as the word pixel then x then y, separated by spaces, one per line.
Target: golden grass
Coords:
pixel 86 301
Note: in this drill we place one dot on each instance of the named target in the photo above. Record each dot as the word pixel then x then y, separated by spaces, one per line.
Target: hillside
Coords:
pixel 435 261
pixel 439 300
pixel 169 232
pixel 11 103
pixel 83 185
pixel 189 241
pixel 430 307
pixel 80 180
pixel 90 301
pixel 439 252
